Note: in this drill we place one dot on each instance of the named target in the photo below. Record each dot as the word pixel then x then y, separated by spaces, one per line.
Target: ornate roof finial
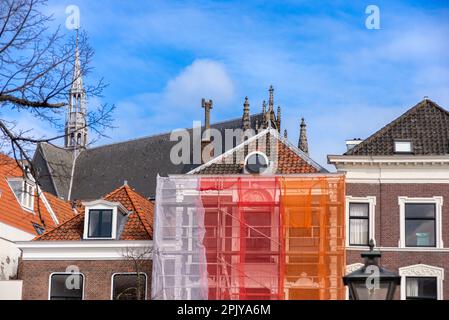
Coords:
pixel 278 119
pixel 285 133
pixel 264 107
pixel 271 99
pixel 302 143
pixel 246 123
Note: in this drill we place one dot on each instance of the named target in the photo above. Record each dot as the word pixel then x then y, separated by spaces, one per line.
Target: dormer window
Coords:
pixel 103 219
pixel 403 146
pixel 100 223
pixel 24 191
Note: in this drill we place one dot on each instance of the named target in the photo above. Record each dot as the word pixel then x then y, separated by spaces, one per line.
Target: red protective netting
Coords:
pixel 274 237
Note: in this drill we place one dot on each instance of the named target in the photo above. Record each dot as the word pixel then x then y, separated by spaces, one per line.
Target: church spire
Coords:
pixel 246 123
pixel 75 126
pixel 302 143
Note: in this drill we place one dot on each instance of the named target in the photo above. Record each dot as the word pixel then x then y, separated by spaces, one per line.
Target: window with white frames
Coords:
pixel 100 223
pixel 420 224
pixel 66 286
pixel 421 282
pixel 24 191
pixel 360 220
pixel 129 286
pixel 421 288
pixel 103 219
pixel 403 146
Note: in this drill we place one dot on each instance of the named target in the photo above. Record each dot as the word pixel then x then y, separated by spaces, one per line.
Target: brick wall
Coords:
pixel 97 276
pixel 387 207
pixel 387 225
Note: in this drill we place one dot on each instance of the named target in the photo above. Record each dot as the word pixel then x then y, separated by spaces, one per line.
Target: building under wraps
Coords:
pixel 249 237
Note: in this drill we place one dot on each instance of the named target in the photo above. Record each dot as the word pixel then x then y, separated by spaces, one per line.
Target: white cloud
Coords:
pixel 201 79
pixel 177 105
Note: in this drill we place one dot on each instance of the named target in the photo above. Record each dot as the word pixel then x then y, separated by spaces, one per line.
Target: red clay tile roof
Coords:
pixel 138 225
pixel 289 160
pixel 12 212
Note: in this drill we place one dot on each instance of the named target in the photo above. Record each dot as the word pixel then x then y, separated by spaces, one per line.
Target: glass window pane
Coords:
pixel 420 210
pixel 94 223
pixel 421 288
pixel 100 223
pixel 358 231
pixel 126 287
pixel 420 233
pixel 106 223
pixel 66 287
pixel 403 146
pixel 359 210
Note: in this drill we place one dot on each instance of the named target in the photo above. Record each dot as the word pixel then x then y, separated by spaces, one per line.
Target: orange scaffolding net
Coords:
pixel 249 237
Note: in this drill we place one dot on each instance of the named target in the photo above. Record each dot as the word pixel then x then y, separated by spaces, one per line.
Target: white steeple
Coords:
pixel 75 126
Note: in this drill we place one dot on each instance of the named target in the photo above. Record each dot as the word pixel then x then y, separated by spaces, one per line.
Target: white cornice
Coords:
pixel 388 160
pixel 79 250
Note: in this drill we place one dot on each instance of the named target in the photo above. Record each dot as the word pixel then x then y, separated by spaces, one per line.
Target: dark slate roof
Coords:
pixel 101 169
pixel 426 125
pixel 58 162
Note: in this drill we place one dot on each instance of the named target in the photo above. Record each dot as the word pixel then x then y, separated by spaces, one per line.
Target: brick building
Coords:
pixel 397 193
pixel 104 252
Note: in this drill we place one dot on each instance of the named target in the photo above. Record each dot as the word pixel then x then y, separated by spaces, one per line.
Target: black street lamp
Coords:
pixel 372 282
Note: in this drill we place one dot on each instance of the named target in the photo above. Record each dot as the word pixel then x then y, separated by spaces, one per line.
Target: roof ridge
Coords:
pixel 163 133
pixel 412 110
pixel 129 192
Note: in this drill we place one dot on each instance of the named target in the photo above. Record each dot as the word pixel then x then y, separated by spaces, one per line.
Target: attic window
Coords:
pixel 104 219
pixel 24 192
pixel 403 146
pixel 100 223
pixel 256 163
pixel 39 229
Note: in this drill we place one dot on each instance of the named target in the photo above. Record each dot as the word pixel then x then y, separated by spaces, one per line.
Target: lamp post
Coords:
pixel 372 282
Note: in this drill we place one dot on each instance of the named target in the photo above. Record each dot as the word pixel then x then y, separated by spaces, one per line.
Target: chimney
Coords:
pixel 246 122
pixel 351 143
pixel 206 139
pixel 207 105
pixel 302 143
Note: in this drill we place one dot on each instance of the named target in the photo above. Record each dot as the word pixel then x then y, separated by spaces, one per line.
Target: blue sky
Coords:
pixel 161 57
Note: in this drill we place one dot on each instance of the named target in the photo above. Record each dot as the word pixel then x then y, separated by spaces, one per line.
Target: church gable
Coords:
pixel 284 158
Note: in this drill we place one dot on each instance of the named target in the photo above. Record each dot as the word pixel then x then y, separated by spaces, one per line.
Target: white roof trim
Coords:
pixel 81 250
pixel 404 159
pixel 106 203
pixel 276 134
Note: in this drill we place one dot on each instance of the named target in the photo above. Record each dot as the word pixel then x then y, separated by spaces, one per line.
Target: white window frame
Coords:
pixel 438 201
pixel 410 143
pixel 102 205
pixel 421 270
pixel 371 200
pixel 24 193
pixel 66 273
pixel 121 273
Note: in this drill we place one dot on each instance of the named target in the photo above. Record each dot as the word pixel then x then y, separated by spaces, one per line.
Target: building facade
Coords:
pixel 397 193
pixel 102 253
